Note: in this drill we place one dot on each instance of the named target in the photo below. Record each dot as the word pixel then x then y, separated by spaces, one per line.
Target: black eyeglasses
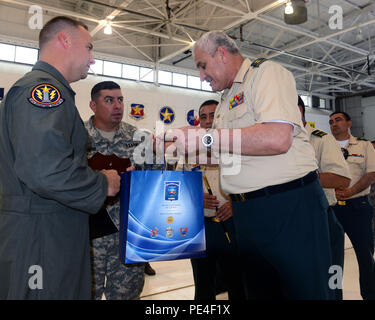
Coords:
pixel 345 153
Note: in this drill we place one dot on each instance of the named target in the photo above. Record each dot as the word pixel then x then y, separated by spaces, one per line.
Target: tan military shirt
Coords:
pixel 330 158
pixel 361 160
pixel 212 175
pixel 264 94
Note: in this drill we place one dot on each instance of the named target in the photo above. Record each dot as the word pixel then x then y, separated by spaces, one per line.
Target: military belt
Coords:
pixel 271 190
pixel 213 219
pixel 352 200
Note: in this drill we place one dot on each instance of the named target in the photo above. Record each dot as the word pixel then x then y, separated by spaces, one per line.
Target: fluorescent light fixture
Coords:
pixel 359 36
pixel 295 12
pixel 289 8
pixel 108 28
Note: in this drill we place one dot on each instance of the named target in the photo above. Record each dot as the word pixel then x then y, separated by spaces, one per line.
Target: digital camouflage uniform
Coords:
pixel 124 282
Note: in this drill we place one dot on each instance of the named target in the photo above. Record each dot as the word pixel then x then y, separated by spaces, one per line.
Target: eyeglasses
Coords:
pixel 345 153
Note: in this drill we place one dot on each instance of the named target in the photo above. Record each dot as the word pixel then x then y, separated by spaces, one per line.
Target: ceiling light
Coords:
pixel 108 28
pixel 295 12
pixel 289 8
pixel 359 36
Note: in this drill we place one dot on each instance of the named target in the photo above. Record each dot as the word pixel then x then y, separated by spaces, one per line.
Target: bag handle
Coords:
pixel 165 160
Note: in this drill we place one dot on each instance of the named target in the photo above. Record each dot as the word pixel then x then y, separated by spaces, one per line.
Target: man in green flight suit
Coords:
pixel 46 188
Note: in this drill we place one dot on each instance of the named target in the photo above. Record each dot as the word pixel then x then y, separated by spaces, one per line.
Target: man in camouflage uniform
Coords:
pixel 109 135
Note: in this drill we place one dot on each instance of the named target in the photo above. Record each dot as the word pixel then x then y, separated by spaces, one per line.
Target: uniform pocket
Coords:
pixel 356 160
pixel 240 117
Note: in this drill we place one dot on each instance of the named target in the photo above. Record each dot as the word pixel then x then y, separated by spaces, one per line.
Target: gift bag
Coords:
pixel 161 216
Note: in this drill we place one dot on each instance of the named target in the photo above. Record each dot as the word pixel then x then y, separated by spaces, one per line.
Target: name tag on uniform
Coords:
pixel 236 100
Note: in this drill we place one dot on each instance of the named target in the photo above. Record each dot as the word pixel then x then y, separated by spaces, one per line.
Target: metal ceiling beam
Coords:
pixel 245 17
pixel 91 19
pixel 132 45
pixel 223 6
pixel 316 38
pixel 53 9
pixel 114 13
pixel 252 15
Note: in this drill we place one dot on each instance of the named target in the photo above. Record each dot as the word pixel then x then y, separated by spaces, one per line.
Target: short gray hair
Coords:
pixel 212 40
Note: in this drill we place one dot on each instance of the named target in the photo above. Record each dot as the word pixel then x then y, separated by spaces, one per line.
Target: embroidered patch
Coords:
pixel 45 96
pixel 236 100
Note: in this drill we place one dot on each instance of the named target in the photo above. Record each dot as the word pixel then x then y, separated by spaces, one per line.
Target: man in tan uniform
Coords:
pixel 221 252
pixel 353 209
pixel 279 207
pixel 333 173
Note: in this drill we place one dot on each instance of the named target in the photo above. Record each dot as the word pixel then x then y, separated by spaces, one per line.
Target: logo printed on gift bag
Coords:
pixel 169 232
pixel 171 190
pixel 183 231
pixel 154 232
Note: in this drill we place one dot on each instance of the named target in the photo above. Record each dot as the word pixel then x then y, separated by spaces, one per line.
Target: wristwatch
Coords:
pixel 208 140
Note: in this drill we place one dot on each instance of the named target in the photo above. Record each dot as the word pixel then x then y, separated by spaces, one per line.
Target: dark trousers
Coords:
pixel 284 243
pixel 356 217
pixel 219 253
pixel 337 239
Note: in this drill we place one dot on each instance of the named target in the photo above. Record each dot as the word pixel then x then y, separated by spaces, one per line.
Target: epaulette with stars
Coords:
pixel 257 62
pixel 319 133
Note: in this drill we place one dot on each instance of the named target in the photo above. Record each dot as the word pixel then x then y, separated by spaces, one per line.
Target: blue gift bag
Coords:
pixel 161 216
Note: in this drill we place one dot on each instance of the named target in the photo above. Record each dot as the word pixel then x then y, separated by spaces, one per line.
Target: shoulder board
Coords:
pixel 257 62
pixel 319 133
pixel 362 139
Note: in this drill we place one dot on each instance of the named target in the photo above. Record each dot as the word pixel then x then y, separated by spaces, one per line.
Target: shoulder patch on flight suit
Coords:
pixel 257 62
pixel 362 139
pixel 45 95
pixel 319 133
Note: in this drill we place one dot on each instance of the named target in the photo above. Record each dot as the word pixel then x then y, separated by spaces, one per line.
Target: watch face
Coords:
pixel 207 140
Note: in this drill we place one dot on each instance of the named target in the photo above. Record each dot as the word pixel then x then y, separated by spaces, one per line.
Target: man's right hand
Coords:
pixel 209 201
pixel 113 182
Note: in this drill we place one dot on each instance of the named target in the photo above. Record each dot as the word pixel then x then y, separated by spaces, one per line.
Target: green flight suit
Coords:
pixel 46 190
